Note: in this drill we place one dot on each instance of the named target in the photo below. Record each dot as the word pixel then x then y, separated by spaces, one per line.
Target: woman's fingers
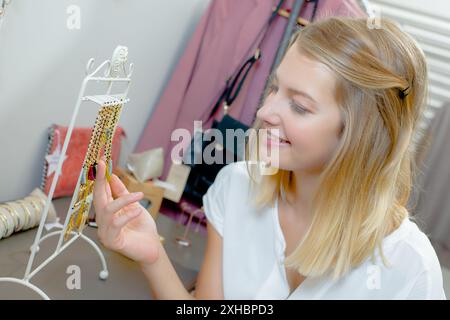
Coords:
pixel 117 187
pixel 120 220
pixel 123 201
pixel 110 235
pixel 102 190
pixel 102 166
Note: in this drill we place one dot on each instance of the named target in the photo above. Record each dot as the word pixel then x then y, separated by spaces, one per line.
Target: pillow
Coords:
pixel 74 157
pixel 146 165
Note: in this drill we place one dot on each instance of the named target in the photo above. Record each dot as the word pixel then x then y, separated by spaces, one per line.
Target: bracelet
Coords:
pixel 12 212
pixel 33 204
pixel 28 213
pixel 18 220
pixel 41 200
pixel 21 216
pixel 38 212
pixel 6 226
pixel 8 230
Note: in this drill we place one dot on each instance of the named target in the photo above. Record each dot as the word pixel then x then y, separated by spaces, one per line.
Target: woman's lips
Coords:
pixel 273 140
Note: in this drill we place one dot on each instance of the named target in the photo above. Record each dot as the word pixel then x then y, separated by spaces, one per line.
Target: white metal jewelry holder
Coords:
pixel 115 71
pixel 3 4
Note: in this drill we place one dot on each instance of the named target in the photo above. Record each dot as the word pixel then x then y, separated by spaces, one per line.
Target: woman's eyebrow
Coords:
pixel 274 79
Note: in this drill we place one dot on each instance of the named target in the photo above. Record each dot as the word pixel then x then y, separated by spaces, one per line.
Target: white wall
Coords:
pixel 439 8
pixel 42 64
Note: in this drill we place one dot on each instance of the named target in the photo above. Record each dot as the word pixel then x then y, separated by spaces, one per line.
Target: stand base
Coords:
pixel 26 284
pixel 103 274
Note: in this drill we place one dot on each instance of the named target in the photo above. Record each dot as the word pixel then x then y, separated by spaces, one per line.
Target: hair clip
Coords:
pixel 403 93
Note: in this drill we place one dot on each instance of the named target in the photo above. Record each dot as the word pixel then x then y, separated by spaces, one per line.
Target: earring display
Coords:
pixel 184 240
pixel 101 137
pixel 109 105
pixel 3 4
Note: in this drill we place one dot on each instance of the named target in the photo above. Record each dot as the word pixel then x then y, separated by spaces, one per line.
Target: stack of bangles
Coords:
pixel 20 214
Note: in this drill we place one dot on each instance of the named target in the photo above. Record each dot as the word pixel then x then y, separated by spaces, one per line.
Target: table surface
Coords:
pixel 125 281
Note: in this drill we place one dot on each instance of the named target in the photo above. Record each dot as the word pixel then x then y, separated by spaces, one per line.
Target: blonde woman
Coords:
pixel 331 223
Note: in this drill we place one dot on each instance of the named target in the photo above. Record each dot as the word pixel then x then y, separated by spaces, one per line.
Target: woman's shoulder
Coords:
pixel 234 172
pixel 227 197
pixel 235 167
pixel 413 259
pixel 230 182
pixel 409 240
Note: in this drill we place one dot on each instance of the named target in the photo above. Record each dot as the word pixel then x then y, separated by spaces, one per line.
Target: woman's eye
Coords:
pixel 298 108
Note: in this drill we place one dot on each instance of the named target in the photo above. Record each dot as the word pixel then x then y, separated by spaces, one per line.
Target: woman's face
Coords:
pixel 301 109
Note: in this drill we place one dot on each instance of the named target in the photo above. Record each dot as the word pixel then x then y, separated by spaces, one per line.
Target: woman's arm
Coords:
pixel 210 278
pixel 165 283
pixel 163 279
pixel 126 227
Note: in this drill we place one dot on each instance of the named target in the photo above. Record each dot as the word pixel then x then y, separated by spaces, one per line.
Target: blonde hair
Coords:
pixel 365 186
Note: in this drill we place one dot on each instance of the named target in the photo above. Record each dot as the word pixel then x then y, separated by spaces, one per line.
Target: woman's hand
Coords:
pixel 124 225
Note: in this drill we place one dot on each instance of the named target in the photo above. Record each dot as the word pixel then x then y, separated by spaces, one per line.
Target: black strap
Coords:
pixel 275 13
pixel 228 96
pixel 218 102
pixel 316 4
pixel 314 11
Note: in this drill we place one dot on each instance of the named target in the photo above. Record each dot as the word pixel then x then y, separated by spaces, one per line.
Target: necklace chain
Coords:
pixel 101 138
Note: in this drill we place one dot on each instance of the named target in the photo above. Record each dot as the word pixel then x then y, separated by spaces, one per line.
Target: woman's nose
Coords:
pixel 268 114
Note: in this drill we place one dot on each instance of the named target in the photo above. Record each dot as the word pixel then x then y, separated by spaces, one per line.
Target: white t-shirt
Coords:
pixel 254 245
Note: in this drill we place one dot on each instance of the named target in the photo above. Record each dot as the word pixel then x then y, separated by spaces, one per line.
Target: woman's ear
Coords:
pixel 342 126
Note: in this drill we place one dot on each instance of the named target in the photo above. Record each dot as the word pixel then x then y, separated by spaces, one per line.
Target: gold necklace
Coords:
pixel 101 138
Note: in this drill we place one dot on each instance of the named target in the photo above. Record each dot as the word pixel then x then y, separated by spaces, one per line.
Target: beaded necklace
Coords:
pixel 101 138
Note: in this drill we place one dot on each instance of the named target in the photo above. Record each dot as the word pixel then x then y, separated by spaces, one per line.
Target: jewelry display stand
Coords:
pixel 199 213
pixel 115 71
pixel 3 4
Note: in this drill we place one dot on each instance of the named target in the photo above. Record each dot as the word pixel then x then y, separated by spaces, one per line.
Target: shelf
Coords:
pixel 106 100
